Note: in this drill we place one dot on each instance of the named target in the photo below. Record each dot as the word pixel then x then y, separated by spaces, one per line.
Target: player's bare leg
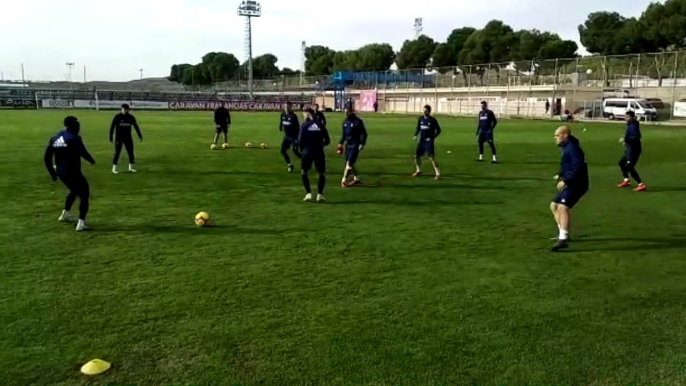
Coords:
pixel 436 169
pixel 356 179
pixel 346 173
pixel 563 218
pixel 556 216
pixel 418 165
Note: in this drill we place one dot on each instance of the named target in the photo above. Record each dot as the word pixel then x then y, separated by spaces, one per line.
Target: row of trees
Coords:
pixel 221 67
pixel 661 27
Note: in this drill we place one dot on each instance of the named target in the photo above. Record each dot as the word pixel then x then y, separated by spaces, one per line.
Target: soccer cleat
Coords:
pixel 624 184
pixel 480 160
pixel 131 169
pixel 308 197
pixel 437 177
pixel 114 170
pixel 344 184
pixel 494 162
pixel 321 198
pixel 641 188
pixel 65 217
pixel 355 182
pixel 417 174
pixel 291 168
pixel 560 245
pixel 569 240
pixel 81 226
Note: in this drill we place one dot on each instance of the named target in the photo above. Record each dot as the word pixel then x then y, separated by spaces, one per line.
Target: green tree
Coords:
pixel 416 54
pixel 264 67
pixel 319 60
pixel 177 71
pixel 220 66
pixel 375 57
pixel 446 54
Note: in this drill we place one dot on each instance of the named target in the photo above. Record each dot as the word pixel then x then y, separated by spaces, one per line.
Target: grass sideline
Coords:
pixel 400 282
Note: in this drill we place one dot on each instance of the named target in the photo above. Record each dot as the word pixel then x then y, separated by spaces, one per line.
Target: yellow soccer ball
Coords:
pixel 263 145
pixel 248 144
pixel 202 219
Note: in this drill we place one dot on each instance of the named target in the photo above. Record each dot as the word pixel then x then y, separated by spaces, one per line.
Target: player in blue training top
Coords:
pixel 67 149
pixel 428 130
pixel 312 139
pixel 290 126
pixel 632 152
pixel 354 139
pixel 572 183
pixel 484 132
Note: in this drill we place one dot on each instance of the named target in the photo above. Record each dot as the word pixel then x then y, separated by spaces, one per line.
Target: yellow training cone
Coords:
pixel 96 366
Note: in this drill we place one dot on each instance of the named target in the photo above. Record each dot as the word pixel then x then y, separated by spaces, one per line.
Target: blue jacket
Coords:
pixel 632 137
pixel 428 127
pixel 573 168
pixel 67 149
pixel 313 137
pixel 487 122
pixel 289 124
pixel 354 132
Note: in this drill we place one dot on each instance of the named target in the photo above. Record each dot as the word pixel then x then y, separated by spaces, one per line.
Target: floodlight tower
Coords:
pixel 249 9
pixel 418 27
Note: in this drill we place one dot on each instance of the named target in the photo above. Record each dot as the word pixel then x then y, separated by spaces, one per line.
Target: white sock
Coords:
pixel 626 180
pixel 564 235
pixel 494 158
pixel 481 156
pixel 356 178
pixel 343 179
pixel 114 167
pixel 130 166
pixel 438 172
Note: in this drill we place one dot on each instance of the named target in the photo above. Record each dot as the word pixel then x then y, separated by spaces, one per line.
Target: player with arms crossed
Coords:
pixel 632 152
pixel 290 126
pixel 429 129
pixel 222 118
pixel 353 139
pixel 120 133
pixel 572 183
pixel 67 149
pixel 312 139
pixel 484 132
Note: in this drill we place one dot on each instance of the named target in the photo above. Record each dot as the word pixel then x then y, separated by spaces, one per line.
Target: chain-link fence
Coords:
pixel 528 88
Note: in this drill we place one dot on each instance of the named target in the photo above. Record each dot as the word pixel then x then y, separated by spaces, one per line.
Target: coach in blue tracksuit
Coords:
pixel 572 183
pixel 67 149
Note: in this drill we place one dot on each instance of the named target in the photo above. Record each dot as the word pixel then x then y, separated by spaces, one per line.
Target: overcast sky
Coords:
pixel 114 39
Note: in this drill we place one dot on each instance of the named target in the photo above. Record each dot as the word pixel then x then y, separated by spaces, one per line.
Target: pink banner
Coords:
pixel 367 100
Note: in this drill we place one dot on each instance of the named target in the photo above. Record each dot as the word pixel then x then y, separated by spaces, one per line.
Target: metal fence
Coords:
pixel 517 88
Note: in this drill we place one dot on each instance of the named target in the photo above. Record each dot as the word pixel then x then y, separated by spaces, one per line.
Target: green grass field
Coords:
pixel 399 282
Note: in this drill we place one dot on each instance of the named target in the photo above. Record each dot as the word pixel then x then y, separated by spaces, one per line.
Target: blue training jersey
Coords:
pixel 487 121
pixel 428 128
pixel 67 149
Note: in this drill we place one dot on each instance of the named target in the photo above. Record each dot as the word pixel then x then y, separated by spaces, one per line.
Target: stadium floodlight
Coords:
pixel 69 65
pixel 249 9
pixel 418 27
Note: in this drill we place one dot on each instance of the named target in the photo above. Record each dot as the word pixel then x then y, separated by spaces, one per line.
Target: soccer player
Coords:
pixel 312 139
pixel 120 133
pixel 484 132
pixel 290 126
pixel 222 118
pixel 632 152
pixel 354 137
pixel 429 128
pixel 572 183
pixel 67 149
pixel 319 115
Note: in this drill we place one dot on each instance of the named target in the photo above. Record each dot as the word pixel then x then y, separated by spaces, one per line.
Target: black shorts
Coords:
pixel 351 154
pixel 289 142
pixel 222 129
pixel 316 158
pixel 570 195
pixel 76 183
pixel 631 156
pixel 486 137
pixel 425 148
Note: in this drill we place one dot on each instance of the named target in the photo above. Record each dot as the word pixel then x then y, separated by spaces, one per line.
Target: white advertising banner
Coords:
pixel 57 104
pixel 680 109
pixel 115 105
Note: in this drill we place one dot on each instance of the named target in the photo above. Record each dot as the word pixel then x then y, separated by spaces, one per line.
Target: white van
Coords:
pixel 614 108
